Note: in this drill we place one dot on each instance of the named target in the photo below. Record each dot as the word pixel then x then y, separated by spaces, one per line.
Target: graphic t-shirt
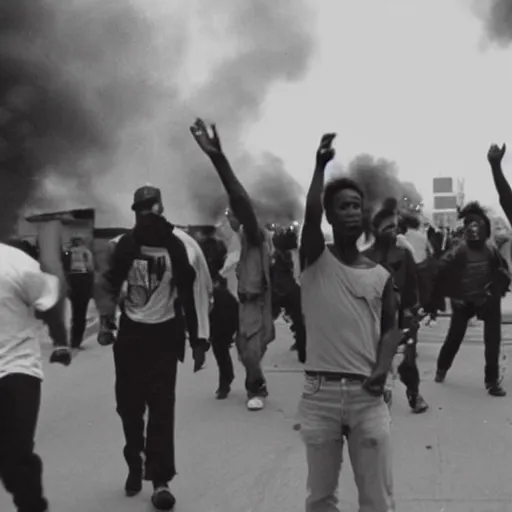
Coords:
pixel 150 292
pixel 24 288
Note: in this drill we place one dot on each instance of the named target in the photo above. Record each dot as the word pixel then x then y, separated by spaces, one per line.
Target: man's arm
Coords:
pixel 239 200
pixel 108 286
pixel 312 241
pixel 504 190
pixel 390 334
pixel 495 157
pixel 42 291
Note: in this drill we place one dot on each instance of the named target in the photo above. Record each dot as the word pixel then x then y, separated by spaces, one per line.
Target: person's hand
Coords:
pixel 376 383
pixel 208 142
pixel 106 334
pixel 106 338
pixel 325 152
pixel 199 354
pixel 61 355
pixel 495 154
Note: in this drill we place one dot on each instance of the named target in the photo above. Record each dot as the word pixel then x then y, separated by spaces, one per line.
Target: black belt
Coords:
pixel 337 377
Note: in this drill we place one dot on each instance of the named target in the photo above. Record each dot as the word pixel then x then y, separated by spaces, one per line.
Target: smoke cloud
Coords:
pixel 379 180
pixel 498 20
pixel 96 98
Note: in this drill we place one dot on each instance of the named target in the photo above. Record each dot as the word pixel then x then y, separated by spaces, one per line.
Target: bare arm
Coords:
pixel 389 341
pixel 312 241
pixel 495 157
pixel 239 199
pixel 390 334
pixel 504 190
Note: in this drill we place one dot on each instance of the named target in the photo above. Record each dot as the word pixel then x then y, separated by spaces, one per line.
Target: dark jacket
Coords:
pixel 156 232
pixel 400 263
pixel 451 267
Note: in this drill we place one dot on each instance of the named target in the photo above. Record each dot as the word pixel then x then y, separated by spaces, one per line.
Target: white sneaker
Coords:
pixel 255 404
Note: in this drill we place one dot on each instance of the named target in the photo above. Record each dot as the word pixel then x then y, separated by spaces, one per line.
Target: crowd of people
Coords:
pixel 352 306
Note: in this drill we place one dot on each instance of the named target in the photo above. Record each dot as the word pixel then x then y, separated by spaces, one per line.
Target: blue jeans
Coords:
pixel 330 411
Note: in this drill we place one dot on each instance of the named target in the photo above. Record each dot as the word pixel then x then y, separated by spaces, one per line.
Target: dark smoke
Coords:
pixel 270 42
pixel 498 21
pixel 93 103
pixel 65 95
pixel 41 123
pixel 379 180
pixel 278 195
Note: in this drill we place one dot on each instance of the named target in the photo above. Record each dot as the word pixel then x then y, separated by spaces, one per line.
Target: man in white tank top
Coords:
pixel 352 336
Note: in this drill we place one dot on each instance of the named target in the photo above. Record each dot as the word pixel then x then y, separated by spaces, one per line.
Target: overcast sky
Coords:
pixel 409 80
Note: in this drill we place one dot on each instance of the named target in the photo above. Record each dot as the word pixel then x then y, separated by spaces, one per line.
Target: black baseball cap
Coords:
pixel 146 197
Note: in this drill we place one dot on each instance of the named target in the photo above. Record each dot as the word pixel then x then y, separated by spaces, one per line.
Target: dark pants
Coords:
pixel 408 368
pixel 290 304
pixel 223 327
pixel 461 314
pixel 20 468
pixel 146 361
pixel 80 293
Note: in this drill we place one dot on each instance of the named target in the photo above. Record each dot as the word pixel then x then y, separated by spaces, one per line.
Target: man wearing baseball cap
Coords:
pixel 157 312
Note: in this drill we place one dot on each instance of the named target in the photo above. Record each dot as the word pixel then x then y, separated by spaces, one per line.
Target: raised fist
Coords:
pixel 495 154
pixel 325 152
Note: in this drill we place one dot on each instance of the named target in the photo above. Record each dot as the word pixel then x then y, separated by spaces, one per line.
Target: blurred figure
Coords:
pixel 232 238
pixel 80 272
pixel 224 313
pixel 25 289
pixel 285 289
pixel 400 263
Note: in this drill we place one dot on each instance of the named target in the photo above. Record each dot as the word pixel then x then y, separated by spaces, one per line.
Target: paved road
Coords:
pixel 455 458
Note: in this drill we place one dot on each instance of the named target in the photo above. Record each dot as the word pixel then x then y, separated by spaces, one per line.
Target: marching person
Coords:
pixel 223 315
pixel 350 313
pixel 27 288
pixel 400 263
pixel 157 312
pixel 80 270
pixel 286 290
pixel 256 325
pixel 475 276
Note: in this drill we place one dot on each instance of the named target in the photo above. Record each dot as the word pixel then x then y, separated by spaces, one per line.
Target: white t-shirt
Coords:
pixel 419 243
pixel 24 288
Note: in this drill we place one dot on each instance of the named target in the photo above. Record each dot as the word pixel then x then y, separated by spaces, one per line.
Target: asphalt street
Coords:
pixel 455 458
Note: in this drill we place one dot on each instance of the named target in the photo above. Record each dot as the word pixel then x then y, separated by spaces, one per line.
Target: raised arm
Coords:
pixel 239 200
pixel 495 157
pixel 312 241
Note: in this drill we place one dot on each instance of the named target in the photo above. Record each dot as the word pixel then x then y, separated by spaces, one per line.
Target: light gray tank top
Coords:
pixel 342 307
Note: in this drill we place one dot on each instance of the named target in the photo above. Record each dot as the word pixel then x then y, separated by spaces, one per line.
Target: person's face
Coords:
pixel 388 229
pixel 474 229
pixel 346 213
